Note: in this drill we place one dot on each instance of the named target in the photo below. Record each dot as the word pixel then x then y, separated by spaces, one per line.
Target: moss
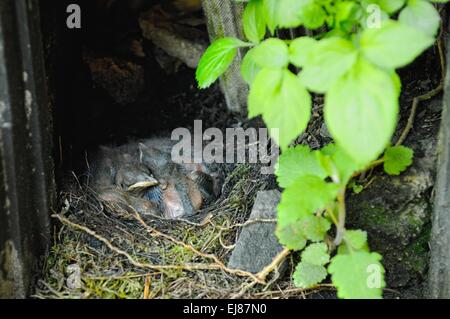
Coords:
pixel 417 253
pixel 371 217
pixel 114 288
pixel 403 223
pixel 397 228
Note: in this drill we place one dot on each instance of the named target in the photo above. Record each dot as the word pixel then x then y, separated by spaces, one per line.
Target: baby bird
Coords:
pixel 133 176
pixel 112 167
pixel 117 198
pixel 181 192
pixel 120 180
pixel 142 177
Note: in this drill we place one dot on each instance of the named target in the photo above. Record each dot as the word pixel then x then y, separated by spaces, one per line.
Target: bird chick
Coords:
pixel 178 194
pixel 112 167
pixel 121 180
pixel 183 190
pixel 142 177
pixel 132 175
pixel 120 200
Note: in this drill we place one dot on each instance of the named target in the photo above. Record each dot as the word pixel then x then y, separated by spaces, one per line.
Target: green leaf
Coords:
pixel 421 15
pixel 354 240
pixel 253 21
pixel 271 53
pixel 307 275
pixel 328 60
pixel 361 111
pixel 291 236
pixel 300 50
pixel 303 197
pixel 397 82
pixel 348 14
pixel 357 239
pixel 270 14
pixel 355 187
pixel 249 69
pixel 397 159
pixel 312 15
pixel 266 85
pixel 357 275
pixel 283 102
pixel 394 45
pixel 316 254
pixel 288 13
pixel 298 161
pixel 343 164
pixel 216 60
pixel 315 228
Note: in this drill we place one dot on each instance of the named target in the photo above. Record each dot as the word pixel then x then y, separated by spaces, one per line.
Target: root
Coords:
pixel 217 263
pixel 262 275
pixel 412 114
pixel 249 222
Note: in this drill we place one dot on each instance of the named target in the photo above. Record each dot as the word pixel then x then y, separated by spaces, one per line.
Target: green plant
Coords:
pixel 352 63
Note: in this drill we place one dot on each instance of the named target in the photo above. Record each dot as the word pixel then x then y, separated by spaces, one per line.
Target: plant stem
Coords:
pixel 341 223
pixel 331 214
pixel 412 114
pixel 370 166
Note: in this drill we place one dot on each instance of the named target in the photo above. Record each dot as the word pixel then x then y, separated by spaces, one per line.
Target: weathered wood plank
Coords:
pixel 26 166
pixel 439 273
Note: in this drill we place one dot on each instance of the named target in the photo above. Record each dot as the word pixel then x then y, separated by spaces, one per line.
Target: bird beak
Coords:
pixel 143 185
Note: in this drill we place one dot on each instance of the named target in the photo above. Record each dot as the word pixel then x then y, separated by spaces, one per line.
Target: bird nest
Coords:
pixel 104 252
